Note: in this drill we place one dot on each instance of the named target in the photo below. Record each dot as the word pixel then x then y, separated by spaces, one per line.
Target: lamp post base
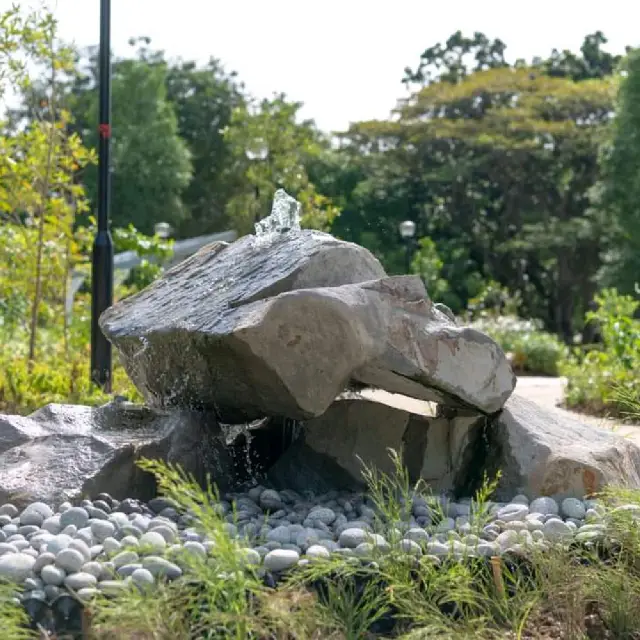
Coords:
pixel 101 300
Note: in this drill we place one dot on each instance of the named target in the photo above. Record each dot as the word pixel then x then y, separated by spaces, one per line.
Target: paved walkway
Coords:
pixel 548 392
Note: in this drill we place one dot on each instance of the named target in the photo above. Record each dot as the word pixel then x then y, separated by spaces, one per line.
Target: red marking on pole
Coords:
pixel 105 131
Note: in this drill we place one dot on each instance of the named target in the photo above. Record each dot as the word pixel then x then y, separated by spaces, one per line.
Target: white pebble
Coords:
pixel 318 551
pixel 512 512
pixel 71 560
pixel 53 575
pixel 555 530
pixel 281 559
pixel 16 567
pixel 154 540
pixel 80 580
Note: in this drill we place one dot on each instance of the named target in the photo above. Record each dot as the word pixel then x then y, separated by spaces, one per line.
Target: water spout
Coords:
pixel 284 216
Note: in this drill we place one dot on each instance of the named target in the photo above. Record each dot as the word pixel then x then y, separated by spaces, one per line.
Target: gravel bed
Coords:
pixel 103 545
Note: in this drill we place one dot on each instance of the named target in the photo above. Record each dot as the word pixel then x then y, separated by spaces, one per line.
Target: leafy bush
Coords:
pixel 25 388
pixel 531 349
pixel 605 379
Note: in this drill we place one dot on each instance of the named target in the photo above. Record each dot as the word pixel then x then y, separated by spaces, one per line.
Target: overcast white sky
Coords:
pixel 343 58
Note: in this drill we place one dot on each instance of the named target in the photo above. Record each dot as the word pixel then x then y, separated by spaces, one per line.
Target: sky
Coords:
pixel 343 58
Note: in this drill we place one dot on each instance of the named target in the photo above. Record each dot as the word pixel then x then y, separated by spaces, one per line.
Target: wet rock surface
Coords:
pixel 279 326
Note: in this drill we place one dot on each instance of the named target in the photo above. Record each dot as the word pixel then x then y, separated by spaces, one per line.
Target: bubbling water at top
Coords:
pixel 284 216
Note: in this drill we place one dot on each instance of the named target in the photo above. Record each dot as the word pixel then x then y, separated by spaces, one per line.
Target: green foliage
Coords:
pixel 151 162
pixel 620 189
pixel 605 380
pixel 494 163
pixel 13 617
pixel 428 265
pixel 39 198
pixel 204 99
pixel 152 250
pixel 269 149
pixel 530 348
pixel 25 388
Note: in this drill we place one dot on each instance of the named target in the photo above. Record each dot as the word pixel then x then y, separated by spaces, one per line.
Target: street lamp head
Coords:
pixel 163 230
pixel 407 229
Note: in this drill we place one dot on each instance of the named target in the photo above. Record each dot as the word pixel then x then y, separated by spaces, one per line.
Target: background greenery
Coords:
pixel 523 179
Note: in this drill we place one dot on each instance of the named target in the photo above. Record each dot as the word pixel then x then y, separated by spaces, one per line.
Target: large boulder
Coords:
pixel 63 452
pixel 280 325
pixel 537 451
pixel 358 429
pixel 545 452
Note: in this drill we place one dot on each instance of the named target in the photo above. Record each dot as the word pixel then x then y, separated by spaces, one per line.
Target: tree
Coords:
pixel 592 63
pixel 449 63
pixel 204 99
pixel 269 150
pixel 494 165
pixel 151 163
pixel 619 193
pixel 39 197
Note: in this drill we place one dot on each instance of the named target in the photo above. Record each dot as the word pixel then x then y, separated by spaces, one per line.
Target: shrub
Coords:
pixel 605 379
pixel 531 349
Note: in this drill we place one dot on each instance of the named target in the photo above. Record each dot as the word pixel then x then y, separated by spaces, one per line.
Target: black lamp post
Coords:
pixel 407 230
pixel 102 263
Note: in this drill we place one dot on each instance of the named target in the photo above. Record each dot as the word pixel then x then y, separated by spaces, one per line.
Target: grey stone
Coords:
pixel 52 592
pixel 76 516
pixel 102 529
pixel 9 510
pixel 81 546
pixel 59 542
pixel 112 587
pixel 16 567
pixel 573 508
pixel 196 548
pixel 127 569
pixel 351 538
pixel 513 512
pixel 304 308
pixel 165 531
pixel 154 540
pixel 555 530
pixel 53 575
pixel 111 545
pixel 62 452
pixel 544 505
pixel 43 560
pixel 124 557
pixel 36 512
pixel 323 514
pixel 545 452
pixel 410 547
pixel 142 578
pixel 80 580
pixel 281 559
pixel 86 595
pixel 93 567
pixel 71 560
pixel 160 567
